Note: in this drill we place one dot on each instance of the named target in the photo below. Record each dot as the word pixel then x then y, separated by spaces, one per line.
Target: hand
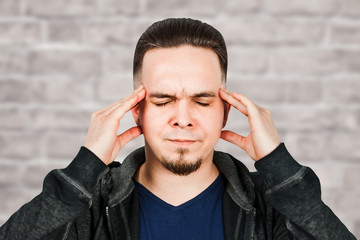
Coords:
pixel 102 138
pixel 263 137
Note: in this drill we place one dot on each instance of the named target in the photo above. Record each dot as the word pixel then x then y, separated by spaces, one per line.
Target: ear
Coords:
pixel 226 112
pixel 135 112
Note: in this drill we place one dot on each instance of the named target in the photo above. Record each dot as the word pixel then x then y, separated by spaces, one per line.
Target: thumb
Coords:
pixel 234 138
pixel 128 135
pixel 124 139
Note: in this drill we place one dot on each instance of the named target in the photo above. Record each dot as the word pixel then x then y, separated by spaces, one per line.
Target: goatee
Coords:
pixel 181 166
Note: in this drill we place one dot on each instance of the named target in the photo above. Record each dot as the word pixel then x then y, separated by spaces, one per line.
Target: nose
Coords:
pixel 182 115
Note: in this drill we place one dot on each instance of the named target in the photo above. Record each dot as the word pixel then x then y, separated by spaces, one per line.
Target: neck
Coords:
pixel 172 188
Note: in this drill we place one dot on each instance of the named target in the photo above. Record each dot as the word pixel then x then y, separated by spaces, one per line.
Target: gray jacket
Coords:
pixel 89 200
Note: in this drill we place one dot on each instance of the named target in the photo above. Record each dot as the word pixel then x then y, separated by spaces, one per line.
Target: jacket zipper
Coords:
pixel 108 222
pixel 253 212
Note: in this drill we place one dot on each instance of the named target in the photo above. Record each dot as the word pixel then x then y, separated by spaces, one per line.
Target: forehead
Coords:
pixel 186 67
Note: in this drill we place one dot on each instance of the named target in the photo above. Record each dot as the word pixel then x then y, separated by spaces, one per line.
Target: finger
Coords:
pixel 233 138
pixel 244 100
pixel 124 139
pixel 226 96
pixel 116 104
pixel 127 105
pixel 129 135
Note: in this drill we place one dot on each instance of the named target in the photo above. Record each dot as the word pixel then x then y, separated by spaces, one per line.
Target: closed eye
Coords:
pixel 203 104
pixel 161 104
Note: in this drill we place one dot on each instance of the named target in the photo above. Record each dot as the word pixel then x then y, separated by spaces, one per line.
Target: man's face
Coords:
pixel 182 114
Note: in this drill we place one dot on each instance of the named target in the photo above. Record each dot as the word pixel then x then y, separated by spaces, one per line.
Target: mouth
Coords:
pixel 183 142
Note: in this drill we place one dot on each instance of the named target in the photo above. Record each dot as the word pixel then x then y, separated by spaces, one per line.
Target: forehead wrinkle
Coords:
pixel 164 94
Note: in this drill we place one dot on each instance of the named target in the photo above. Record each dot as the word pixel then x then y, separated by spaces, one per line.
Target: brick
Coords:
pixel 64 144
pixel 120 7
pixel 13 118
pixel 344 146
pixel 262 92
pixel 349 119
pixel 19 91
pixel 350 8
pixel 347 201
pixel 182 7
pixel 111 88
pixel 61 8
pixel 67 118
pixel 345 33
pixel 350 60
pixel 19 33
pixel 309 62
pixel 68 90
pixel 342 91
pixel 34 175
pixel 12 62
pixel 352 177
pixel 236 7
pixel 276 91
pixel 7 173
pixel 9 8
pixel 114 33
pixel 304 118
pixel 301 7
pixel 330 175
pixel 305 147
pixel 332 198
pixel 258 31
pixel 61 62
pixel 303 91
pixel 19 145
pixel 64 32
pixel 119 61
pixel 247 61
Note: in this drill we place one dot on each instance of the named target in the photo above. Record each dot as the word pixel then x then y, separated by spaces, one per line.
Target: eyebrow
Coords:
pixel 206 94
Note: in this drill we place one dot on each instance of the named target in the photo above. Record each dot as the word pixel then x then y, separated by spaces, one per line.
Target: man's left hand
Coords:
pixel 263 137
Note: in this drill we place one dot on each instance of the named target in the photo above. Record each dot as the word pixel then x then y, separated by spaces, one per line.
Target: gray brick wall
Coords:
pixel 61 60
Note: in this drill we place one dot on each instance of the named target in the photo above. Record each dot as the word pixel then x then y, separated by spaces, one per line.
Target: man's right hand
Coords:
pixel 102 138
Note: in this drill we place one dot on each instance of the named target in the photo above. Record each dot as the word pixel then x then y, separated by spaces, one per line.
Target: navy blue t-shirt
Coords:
pixel 200 218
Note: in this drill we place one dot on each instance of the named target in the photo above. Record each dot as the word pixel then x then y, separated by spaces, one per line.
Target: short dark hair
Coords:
pixel 173 32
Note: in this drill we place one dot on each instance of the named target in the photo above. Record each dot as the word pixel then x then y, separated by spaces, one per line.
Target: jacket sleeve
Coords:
pixel 66 194
pixel 294 191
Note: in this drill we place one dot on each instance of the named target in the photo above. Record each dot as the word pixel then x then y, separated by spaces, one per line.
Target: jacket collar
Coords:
pixel 239 184
pixel 123 184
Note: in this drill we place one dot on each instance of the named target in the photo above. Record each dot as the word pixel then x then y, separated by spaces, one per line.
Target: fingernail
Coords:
pixel 225 90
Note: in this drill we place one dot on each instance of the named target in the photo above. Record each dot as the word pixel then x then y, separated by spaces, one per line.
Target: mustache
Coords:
pixel 183 135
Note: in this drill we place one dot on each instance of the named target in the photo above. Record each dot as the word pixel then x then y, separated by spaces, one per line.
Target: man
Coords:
pixel 177 186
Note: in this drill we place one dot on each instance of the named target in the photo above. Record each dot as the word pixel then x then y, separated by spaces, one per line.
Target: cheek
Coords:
pixel 217 114
pixel 212 120
pixel 151 120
